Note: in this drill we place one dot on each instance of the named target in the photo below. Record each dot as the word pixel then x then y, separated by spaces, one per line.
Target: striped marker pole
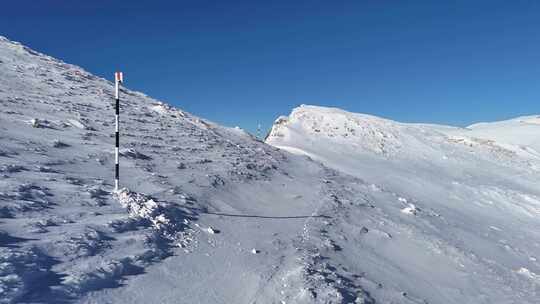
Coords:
pixel 118 78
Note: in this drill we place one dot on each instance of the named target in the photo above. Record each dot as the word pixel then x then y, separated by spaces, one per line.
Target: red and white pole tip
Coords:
pixel 119 77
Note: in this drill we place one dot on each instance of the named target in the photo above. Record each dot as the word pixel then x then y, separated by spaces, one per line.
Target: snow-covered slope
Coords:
pixel 212 215
pixel 396 214
pixel 521 132
pixel 468 230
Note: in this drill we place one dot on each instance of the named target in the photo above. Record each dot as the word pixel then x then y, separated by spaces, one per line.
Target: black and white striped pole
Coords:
pixel 118 78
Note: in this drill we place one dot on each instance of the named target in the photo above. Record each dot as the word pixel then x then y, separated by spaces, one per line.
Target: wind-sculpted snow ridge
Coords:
pixel 169 226
pixel 171 222
pixel 377 135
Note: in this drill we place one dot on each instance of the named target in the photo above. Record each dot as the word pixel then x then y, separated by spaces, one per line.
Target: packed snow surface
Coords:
pixel 365 210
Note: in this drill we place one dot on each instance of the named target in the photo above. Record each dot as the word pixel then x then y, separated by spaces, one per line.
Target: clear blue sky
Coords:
pixel 244 62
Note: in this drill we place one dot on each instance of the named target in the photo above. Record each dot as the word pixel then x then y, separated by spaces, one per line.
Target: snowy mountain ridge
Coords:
pixel 480 181
pixel 212 215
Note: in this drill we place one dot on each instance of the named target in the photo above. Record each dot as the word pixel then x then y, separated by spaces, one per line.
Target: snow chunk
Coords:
pixel 209 229
pixel 34 123
pixel 141 206
pixel 59 144
pixel 11 168
pixel 40 123
pixel 132 153
pixel 164 109
pixel 411 209
pixel 159 108
pixel 170 221
pixel 76 124
pixel 529 274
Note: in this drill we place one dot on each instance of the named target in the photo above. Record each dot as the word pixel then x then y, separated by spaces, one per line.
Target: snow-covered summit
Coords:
pixel 312 123
pixel 520 132
pixel 308 125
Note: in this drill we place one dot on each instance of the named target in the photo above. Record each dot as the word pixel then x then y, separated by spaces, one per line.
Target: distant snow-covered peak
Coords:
pixel 313 125
pixel 522 132
pixel 315 128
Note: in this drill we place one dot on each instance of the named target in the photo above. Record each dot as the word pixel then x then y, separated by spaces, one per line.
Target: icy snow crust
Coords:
pixel 398 213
